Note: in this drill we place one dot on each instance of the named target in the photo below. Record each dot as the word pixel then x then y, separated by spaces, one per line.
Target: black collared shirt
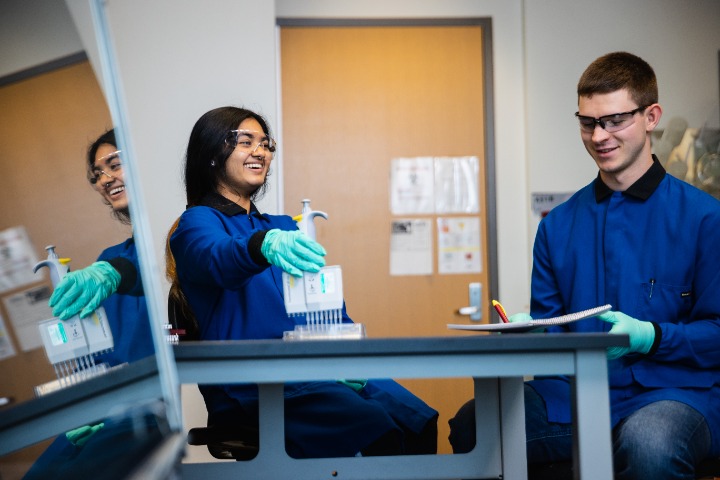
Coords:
pixel 641 189
pixel 222 204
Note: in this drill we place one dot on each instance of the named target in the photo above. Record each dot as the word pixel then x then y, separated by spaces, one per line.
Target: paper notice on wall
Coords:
pixel 426 185
pixel 411 247
pixel 26 309
pixel 17 259
pixel 459 245
pixel 412 185
pixel 6 346
pixel 456 185
pixel 542 203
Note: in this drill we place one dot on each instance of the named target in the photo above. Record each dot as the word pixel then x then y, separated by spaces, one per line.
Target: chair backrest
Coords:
pixel 182 321
pixel 226 444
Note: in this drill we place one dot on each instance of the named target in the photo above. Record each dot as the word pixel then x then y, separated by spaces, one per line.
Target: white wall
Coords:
pixel 33 32
pixel 679 38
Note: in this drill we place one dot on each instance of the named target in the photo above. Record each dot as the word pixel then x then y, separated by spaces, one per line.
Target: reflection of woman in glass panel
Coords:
pixel 113 281
pixel 230 259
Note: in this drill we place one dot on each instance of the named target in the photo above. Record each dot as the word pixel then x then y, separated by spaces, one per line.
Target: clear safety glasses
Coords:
pixel 250 140
pixel 107 167
pixel 610 123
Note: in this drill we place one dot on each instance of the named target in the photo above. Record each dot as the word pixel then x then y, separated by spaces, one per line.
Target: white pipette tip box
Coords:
pixel 319 296
pixel 71 379
pixel 340 331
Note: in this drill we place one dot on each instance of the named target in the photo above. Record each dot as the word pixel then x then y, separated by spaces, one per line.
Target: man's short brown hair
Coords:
pixel 619 70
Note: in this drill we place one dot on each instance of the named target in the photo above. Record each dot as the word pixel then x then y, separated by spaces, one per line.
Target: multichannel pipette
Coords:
pixel 318 296
pixel 71 345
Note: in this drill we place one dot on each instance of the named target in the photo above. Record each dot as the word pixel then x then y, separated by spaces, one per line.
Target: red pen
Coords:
pixel 500 310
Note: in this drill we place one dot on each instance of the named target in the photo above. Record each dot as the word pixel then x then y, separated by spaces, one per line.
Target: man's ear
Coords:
pixel 653 114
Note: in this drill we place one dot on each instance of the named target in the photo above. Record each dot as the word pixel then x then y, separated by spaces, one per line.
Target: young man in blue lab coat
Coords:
pixel 646 243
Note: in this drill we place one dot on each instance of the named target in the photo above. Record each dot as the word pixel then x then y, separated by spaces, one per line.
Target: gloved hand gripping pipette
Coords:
pixel 71 343
pixel 318 294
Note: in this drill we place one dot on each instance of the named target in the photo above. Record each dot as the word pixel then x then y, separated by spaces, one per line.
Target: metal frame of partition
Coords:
pixel 149 267
pixel 143 383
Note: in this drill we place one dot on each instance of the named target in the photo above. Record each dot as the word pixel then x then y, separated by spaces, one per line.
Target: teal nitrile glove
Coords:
pixel 641 333
pixel 356 385
pixel 80 436
pixel 524 317
pixel 520 317
pixel 293 251
pixel 84 290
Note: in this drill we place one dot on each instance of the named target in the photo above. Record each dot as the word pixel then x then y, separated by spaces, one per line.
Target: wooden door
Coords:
pixel 354 98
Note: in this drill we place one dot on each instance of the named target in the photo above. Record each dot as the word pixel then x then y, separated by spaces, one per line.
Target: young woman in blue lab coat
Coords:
pixel 646 243
pixel 230 260
pixel 114 282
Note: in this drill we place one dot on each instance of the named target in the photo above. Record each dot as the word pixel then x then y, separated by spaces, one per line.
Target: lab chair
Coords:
pixel 226 443
pixel 236 443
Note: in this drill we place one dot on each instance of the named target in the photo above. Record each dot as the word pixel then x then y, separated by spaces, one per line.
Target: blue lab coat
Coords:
pixel 236 294
pixel 653 253
pixel 127 308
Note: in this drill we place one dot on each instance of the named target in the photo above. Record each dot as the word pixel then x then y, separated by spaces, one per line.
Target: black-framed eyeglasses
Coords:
pixel 610 123
pixel 250 140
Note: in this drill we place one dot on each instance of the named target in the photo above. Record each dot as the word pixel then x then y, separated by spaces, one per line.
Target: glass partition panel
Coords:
pixel 88 387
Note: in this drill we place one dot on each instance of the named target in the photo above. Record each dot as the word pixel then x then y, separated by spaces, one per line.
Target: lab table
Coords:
pixel 125 390
pixel 88 401
pixel 497 363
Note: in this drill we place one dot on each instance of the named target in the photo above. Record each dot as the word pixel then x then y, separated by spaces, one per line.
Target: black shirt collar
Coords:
pixel 641 189
pixel 222 204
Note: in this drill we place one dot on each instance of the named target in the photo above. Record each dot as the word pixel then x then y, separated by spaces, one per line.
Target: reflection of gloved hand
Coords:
pixel 356 385
pixel 84 290
pixel 293 251
pixel 642 334
pixel 79 436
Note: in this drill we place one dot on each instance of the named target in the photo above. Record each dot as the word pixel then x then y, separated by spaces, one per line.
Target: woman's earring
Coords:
pixel 212 163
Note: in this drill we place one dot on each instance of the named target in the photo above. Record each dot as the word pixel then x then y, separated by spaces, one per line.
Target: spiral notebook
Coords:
pixel 519 327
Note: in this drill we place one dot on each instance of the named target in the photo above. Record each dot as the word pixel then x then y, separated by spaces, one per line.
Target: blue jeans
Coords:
pixel 663 440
